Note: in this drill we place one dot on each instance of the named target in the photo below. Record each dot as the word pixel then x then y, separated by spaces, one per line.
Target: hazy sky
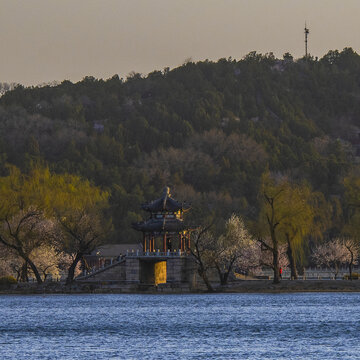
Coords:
pixel 45 40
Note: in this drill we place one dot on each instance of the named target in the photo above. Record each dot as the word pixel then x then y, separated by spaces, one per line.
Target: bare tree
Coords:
pixel 200 251
pixel 83 232
pixel 50 261
pixel 25 232
pixel 10 262
pixel 235 248
pixel 352 246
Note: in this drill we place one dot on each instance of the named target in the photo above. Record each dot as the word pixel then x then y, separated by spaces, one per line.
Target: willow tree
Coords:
pixel 351 230
pixel 42 209
pixel 25 226
pixel 286 217
pixel 307 214
pixel 352 201
pixel 78 207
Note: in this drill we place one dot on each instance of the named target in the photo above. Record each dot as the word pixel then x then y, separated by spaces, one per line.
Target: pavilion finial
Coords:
pixel 166 195
pixel 166 191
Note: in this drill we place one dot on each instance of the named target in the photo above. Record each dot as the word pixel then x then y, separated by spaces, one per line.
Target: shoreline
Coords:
pixel 294 286
pixel 238 287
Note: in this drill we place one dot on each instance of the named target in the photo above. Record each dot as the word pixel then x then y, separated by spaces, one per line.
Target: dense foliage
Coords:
pixel 209 130
pixel 48 222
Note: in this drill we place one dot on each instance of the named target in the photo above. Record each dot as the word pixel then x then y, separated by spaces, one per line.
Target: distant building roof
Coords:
pixel 98 127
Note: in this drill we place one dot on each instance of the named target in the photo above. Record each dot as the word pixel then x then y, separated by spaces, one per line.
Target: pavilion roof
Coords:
pixel 164 204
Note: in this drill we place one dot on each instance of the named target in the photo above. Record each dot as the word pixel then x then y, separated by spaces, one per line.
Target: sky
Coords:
pixel 46 40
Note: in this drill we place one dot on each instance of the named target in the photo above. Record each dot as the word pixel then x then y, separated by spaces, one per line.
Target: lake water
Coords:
pixel 220 326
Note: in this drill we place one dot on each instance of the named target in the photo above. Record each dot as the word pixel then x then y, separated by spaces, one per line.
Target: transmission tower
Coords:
pixel 306 40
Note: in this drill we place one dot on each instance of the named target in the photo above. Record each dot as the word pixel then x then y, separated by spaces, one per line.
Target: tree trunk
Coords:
pixel 336 270
pixel 72 268
pixel 25 257
pixel 202 273
pixel 35 271
pixel 292 260
pixel 18 275
pixel 223 276
pixel 23 272
pixel 275 257
pixel 350 270
pixel 351 263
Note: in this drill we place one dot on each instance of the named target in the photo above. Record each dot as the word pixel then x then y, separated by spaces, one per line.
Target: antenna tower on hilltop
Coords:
pixel 306 40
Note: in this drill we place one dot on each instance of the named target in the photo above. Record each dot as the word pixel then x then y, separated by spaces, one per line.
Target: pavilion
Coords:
pixel 165 229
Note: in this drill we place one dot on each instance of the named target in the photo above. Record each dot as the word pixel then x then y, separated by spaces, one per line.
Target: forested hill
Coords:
pixel 207 129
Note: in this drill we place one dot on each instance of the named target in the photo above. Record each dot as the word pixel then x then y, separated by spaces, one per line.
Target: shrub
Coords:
pixel 354 276
pixel 7 281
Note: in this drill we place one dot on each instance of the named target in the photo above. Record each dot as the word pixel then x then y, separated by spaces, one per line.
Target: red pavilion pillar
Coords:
pixel 164 242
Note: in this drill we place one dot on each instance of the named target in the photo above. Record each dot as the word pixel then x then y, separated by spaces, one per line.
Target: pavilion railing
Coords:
pixel 174 253
pixel 313 273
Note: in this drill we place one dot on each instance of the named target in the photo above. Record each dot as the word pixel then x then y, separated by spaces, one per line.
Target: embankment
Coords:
pixel 244 286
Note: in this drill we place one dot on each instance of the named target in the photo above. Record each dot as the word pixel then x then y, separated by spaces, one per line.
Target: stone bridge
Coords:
pixel 148 269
